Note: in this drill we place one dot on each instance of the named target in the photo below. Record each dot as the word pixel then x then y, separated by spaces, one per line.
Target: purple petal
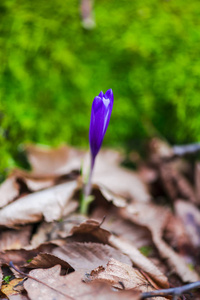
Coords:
pixel 100 117
pixel 101 94
pixel 109 95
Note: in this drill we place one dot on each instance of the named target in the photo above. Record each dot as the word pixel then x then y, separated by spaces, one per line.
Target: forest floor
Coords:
pixel 140 236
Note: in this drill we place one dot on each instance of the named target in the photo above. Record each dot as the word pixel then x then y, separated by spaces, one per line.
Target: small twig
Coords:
pixel 177 291
pixel 33 278
pixel 102 221
pixel 186 149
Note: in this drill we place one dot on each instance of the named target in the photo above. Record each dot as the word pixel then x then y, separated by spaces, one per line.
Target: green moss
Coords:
pixel 51 69
pixel 7 278
pixel 146 250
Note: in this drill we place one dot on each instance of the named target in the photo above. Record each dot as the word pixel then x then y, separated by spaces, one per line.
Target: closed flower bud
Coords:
pixel 100 117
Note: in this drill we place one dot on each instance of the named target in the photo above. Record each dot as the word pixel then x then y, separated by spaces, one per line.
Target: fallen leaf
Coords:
pixel 9 288
pixel 50 203
pixel 175 184
pixel 59 161
pixel 140 260
pixel 107 167
pixel 21 256
pixel 123 276
pixel 190 216
pixel 155 218
pixel 139 236
pixel 89 231
pixel 47 260
pixel 88 256
pixel 176 235
pixel 159 149
pixel 38 184
pixel 70 287
pixel 35 182
pixel 9 190
pixel 15 239
pixel 19 297
pixel 57 229
pixel 111 197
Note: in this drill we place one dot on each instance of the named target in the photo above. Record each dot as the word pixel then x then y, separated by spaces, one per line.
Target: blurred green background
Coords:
pixel 51 68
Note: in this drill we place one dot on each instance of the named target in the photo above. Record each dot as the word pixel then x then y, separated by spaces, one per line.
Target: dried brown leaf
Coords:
pixel 21 256
pixel 190 216
pixel 45 161
pixel 88 256
pixel 19 297
pixel 89 231
pixel 176 235
pixel 111 197
pixel 159 149
pixel 47 260
pixel 9 288
pixel 175 184
pixel 140 260
pixel 38 184
pixel 9 190
pixel 50 204
pixel 70 287
pixel 155 218
pixel 15 239
pixel 35 182
pixel 138 235
pixel 56 230
pixel 123 276
pixel 107 167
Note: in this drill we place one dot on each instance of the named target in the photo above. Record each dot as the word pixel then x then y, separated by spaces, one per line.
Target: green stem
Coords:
pixel 86 197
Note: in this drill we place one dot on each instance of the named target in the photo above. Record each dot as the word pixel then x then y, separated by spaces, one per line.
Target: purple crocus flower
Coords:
pixel 100 117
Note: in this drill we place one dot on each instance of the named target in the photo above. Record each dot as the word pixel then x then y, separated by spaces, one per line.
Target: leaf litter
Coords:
pixel 141 233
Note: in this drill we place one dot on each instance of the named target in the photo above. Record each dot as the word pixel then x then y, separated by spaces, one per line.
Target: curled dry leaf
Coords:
pixel 155 218
pixel 140 260
pixel 107 167
pixel 34 182
pixel 35 185
pixel 56 230
pixel 176 235
pixel 9 190
pixel 111 197
pixel 88 256
pixel 50 204
pixel 138 235
pixel 53 286
pixel 46 261
pixel 123 276
pixel 89 231
pixel 15 239
pixel 21 256
pixel 190 216
pixel 59 161
pixel 175 183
